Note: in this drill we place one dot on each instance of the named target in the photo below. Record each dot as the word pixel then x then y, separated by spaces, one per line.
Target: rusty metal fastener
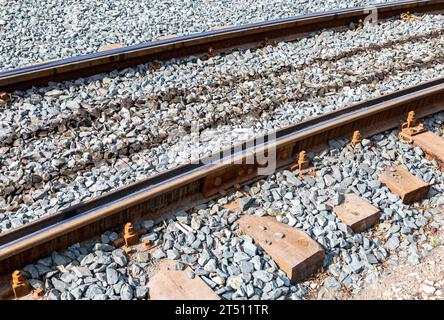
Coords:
pixel 356 139
pixel 302 164
pixel 411 121
pixel 129 235
pixel 20 284
pixel 410 128
pixel 302 161
pixel 5 96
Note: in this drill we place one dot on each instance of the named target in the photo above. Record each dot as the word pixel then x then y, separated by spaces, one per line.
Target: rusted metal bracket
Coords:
pixel 430 143
pixel 356 138
pixel 410 128
pixel 129 235
pixel 20 284
pixel 4 98
pixel 303 164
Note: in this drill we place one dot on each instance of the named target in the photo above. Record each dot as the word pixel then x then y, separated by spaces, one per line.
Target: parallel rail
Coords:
pixel 201 182
pixel 202 43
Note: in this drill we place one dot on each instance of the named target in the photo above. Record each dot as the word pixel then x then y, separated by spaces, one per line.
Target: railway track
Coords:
pixel 80 125
pixel 187 186
pixel 198 183
pixel 206 43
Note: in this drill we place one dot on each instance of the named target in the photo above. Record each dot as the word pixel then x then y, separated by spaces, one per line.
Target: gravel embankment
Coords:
pixel 69 142
pixel 238 269
pixel 37 31
pixel 423 281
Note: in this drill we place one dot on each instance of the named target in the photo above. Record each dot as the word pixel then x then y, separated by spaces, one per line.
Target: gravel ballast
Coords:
pixel 38 31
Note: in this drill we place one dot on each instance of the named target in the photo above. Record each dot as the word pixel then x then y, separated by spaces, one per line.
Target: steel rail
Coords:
pixel 202 43
pixel 197 183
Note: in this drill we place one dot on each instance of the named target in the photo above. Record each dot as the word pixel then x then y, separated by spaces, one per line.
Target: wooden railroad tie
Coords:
pixel 293 250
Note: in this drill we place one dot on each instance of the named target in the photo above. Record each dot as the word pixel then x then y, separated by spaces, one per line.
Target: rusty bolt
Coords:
pixel 356 139
pixel 411 118
pixel 410 127
pixel 5 97
pixel 129 235
pixel 302 161
pixel 411 122
pixel 241 172
pixel 250 170
pixel 20 284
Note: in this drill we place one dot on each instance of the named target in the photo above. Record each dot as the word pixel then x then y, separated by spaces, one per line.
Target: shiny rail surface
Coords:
pixel 198 183
pixel 203 43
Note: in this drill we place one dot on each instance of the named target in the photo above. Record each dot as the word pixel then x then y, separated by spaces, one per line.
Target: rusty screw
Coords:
pixel 20 284
pixel 302 161
pixel 129 235
pixel 411 119
pixel 411 122
pixel 356 139
pixel 5 97
pixel 410 128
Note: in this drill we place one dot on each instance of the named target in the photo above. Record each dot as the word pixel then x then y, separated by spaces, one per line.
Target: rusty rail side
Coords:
pixel 202 43
pixel 199 183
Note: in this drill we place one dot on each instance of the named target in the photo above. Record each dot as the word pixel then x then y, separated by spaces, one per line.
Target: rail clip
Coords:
pixel 410 128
